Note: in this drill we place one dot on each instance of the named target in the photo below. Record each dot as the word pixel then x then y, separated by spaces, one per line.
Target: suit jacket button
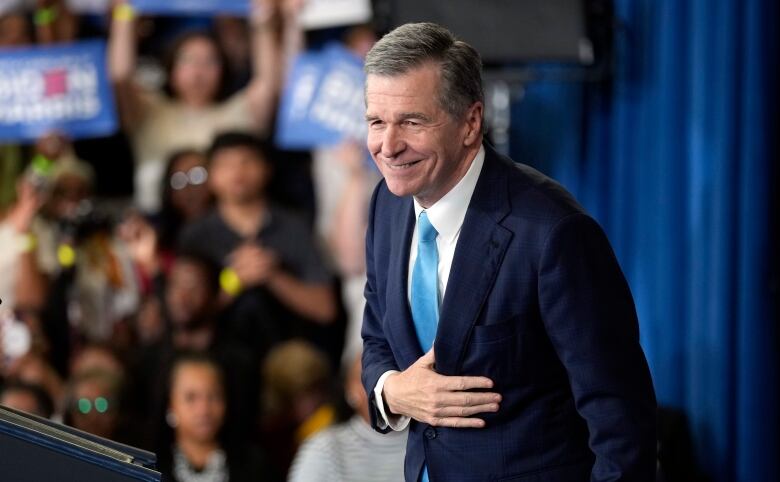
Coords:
pixel 430 433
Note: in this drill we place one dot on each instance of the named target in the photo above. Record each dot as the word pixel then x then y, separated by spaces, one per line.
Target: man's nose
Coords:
pixel 392 142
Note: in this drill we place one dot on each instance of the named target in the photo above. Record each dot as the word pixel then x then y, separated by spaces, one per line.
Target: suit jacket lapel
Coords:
pixel 480 249
pixel 398 324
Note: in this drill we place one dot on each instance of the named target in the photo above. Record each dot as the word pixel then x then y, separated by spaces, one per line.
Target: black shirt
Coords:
pixel 256 317
pixel 283 232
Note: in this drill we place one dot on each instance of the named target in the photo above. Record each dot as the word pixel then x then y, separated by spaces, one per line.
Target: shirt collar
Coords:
pixel 447 214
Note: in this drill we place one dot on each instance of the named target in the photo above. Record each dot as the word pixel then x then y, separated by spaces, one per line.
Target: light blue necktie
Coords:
pixel 425 290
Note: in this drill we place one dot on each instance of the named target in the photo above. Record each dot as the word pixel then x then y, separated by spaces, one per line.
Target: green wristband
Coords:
pixel 45 16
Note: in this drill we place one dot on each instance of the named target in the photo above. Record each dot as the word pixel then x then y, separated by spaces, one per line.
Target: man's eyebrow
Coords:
pixel 414 115
pixel 402 117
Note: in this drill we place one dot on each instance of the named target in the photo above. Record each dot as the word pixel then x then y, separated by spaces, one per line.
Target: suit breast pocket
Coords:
pixel 496 351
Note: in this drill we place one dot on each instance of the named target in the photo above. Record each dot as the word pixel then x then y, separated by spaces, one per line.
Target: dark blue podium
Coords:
pixel 33 449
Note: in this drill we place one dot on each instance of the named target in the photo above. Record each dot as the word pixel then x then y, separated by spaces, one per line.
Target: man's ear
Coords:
pixel 474 119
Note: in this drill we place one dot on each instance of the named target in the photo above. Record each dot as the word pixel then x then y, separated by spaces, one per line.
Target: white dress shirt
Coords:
pixel 446 216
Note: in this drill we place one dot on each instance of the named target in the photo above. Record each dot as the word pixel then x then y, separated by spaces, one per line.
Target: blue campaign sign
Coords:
pixel 62 88
pixel 322 103
pixel 192 7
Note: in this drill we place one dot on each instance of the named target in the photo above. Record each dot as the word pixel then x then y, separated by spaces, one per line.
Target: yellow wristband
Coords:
pixel 124 12
pixel 229 282
pixel 29 242
pixel 66 255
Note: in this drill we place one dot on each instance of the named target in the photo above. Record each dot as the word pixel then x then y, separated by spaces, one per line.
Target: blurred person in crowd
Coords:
pixel 27 398
pixel 34 369
pixel 186 197
pixel 351 451
pixel 21 334
pixel 343 181
pixel 23 284
pixel 151 241
pixel 53 195
pixel 193 109
pixel 198 447
pixel 93 286
pixel 148 324
pixel 24 229
pixel 93 404
pixel 190 308
pixel 15 28
pixel 64 263
pixel 272 272
pixel 94 357
pixel 333 168
pixel 150 261
pixel 297 384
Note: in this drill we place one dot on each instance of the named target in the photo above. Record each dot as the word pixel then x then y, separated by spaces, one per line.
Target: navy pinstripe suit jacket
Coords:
pixel 535 301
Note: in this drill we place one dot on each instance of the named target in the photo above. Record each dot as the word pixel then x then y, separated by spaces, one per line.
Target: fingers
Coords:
pixel 462 416
pixel 428 359
pixel 464 404
pixel 255 260
pixel 454 384
pixel 467 399
pixel 252 264
pixel 460 384
pixel 460 412
pixel 439 400
pixel 251 250
pixel 246 255
pixel 456 422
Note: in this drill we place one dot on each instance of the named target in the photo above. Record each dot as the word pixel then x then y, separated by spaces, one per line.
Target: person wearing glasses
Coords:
pixel 93 403
pixel 185 199
pixel 192 106
pixel 271 270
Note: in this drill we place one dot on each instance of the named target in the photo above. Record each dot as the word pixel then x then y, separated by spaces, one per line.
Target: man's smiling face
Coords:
pixel 418 146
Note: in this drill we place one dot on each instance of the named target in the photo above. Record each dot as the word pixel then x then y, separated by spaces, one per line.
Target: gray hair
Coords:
pixel 413 44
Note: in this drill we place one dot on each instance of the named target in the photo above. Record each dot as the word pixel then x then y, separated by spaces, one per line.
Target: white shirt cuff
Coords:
pixel 395 422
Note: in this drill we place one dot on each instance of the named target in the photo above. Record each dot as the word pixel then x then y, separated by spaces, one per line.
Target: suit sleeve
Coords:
pixel 590 318
pixel 377 355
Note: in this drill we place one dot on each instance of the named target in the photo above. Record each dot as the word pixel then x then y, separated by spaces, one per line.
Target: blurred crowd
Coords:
pixel 184 285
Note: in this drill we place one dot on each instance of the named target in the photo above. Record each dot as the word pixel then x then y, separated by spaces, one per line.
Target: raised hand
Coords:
pixel 262 11
pixel 142 242
pixel 29 200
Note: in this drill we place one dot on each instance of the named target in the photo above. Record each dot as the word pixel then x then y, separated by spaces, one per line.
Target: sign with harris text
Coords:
pixel 314 14
pixel 62 88
pixel 192 7
pixel 322 103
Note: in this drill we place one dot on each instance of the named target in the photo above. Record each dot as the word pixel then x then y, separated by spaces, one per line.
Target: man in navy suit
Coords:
pixel 498 326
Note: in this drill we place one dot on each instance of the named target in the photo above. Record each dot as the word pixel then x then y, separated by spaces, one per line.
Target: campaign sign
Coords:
pixel 322 103
pixel 334 13
pixel 61 88
pixel 315 14
pixel 192 7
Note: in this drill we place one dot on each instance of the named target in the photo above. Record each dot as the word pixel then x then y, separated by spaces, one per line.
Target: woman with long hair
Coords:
pixel 192 108
pixel 196 446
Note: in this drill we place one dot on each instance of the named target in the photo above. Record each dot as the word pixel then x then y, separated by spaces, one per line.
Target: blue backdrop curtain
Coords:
pixel 673 157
